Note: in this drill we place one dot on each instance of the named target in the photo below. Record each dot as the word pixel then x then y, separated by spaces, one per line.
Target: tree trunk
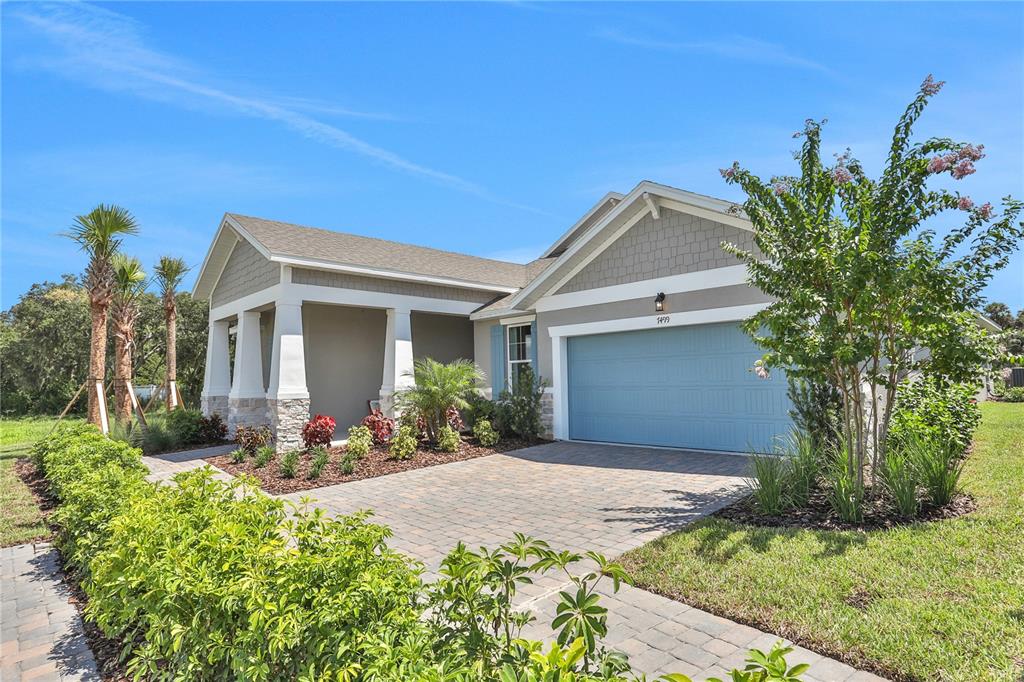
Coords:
pixel 122 374
pixel 172 356
pixel 97 358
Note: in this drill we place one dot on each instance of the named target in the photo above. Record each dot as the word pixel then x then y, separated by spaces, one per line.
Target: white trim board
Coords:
pixel 659 321
pixel 674 284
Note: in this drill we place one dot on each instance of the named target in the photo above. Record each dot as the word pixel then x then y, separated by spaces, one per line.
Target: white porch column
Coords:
pixel 287 396
pixel 397 357
pixel 217 378
pixel 247 404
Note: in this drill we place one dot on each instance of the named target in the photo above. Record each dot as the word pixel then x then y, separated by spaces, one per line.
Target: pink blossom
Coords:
pixel 963 168
pixel 730 172
pixel 760 371
pixel 841 175
pixel 781 187
pixel 985 211
pixel 972 152
pixel 965 204
pixel 930 86
pixel 938 164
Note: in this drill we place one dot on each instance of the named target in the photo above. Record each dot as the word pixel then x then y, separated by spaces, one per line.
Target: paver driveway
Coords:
pixel 576 496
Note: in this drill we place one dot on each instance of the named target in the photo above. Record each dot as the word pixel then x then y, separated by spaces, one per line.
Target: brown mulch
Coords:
pixel 818 514
pixel 105 651
pixel 376 463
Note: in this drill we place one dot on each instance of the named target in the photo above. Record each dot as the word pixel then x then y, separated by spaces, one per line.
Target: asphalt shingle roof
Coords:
pixel 298 241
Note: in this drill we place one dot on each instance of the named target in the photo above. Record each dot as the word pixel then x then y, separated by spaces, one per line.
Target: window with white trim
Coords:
pixel 520 352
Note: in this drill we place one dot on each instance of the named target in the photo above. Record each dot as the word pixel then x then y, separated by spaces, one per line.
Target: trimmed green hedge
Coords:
pixel 214 580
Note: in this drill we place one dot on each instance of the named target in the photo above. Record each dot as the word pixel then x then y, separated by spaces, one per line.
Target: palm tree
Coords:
pixel 169 273
pixel 129 283
pixel 99 233
pixel 438 387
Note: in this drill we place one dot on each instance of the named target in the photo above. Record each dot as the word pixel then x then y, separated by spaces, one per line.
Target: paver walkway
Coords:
pixel 42 636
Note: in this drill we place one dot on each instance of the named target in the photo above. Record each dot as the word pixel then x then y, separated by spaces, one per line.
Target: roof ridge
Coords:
pixel 379 239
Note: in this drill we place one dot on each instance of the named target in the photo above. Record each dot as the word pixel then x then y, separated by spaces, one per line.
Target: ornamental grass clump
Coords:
pixel 769 482
pixel 321 457
pixel 263 456
pixel 290 463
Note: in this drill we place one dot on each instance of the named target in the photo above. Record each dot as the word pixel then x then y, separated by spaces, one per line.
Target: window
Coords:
pixel 520 352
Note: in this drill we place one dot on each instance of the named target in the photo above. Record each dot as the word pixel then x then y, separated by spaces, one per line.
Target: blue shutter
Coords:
pixel 497 360
pixel 534 342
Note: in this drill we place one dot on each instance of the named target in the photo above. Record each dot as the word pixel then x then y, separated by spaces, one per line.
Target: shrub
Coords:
pixel 403 444
pixel 485 433
pixel 519 411
pixel 1013 394
pixel 804 466
pixel 238 455
pixel 478 407
pixel 212 429
pixel 184 426
pixel 263 455
pixel 448 439
pixel 154 437
pixel 320 459
pixel 438 387
pixel 348 463
pixel 817 410
pixel 845 496
pixel 453 419
pixel 899 476
pixel 769 482
pixel 318 431
pixel 290 463
pixel 252 438
pixel 381 426
pixel 937 465
pixel 933 408
pixel 360 441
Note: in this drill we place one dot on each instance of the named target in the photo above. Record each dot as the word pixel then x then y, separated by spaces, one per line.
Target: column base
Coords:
pixel 246 412
pixel 547 415
pixel 287 417
pixel 214 404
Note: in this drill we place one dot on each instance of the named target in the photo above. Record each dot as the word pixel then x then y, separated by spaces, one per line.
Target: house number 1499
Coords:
pixel 663 319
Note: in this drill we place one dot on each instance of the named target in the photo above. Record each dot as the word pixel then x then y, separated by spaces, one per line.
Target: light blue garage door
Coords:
pixel 688 387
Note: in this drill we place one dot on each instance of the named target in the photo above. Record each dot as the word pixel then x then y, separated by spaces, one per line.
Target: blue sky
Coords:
pixel 483 128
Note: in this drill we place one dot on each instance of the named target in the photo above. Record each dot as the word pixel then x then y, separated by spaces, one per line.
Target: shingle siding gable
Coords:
pixel 246 272
pixel 672 245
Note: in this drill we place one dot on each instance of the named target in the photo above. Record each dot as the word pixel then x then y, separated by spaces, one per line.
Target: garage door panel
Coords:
pixel 681 387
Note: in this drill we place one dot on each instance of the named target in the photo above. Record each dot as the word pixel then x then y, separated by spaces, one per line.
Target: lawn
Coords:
pixel 20 518
pixel 934 601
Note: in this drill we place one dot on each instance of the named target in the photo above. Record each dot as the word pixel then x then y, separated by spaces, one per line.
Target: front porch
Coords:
pixel 302 349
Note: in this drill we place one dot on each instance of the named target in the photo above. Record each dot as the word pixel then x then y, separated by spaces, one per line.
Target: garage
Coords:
pixel 685 387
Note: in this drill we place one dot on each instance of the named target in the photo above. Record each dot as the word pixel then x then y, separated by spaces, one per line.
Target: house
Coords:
pixel 631 317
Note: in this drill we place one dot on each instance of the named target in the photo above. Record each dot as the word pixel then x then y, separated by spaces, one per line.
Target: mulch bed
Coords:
pixel 817 514
pixel 376 463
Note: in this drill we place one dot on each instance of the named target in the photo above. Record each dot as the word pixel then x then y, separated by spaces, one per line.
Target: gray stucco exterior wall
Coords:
pixel 246 272
pixel 442 337
pixel 674 244
pixel 344 360
pixel 482 347
pixel 702 299
pixel 343 280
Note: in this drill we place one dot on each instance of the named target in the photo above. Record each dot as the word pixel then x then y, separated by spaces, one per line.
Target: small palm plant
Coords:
pixel 129 283
pixel 99 233
pixel 169 273
pixel 438 387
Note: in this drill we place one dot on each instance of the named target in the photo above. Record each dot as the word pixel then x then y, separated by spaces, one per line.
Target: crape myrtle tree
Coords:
pixel 860 286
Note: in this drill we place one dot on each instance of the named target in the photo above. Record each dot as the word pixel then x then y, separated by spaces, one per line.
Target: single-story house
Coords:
pixel 631 317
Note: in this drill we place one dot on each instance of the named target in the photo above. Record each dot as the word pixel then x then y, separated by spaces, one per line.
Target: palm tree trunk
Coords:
pixel 122 374
pixel 97 359
pixel 172 356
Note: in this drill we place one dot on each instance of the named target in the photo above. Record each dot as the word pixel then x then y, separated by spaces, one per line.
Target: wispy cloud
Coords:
pixel 107 50
pixel 736 47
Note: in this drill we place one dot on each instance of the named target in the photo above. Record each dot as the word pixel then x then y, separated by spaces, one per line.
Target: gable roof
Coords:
pixel 597 235
pixel 318 248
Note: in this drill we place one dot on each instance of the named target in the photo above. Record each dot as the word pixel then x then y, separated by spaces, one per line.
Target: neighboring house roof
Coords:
pixel 517 285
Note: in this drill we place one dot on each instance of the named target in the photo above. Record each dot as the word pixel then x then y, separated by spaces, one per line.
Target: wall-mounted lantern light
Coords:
pixel 659 302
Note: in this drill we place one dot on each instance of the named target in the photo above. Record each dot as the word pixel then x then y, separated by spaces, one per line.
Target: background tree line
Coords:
pixel 44 347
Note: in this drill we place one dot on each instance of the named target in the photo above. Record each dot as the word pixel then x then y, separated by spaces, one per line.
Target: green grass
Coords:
pixel 20 517
pixel 932 601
